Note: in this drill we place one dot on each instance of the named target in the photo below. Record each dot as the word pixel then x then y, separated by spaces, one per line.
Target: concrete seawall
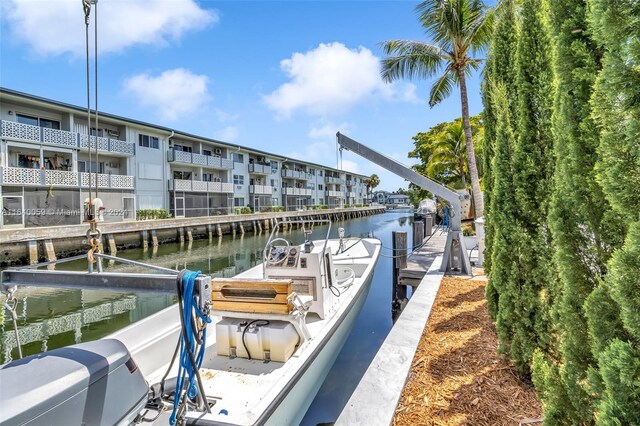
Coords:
pixel 31 245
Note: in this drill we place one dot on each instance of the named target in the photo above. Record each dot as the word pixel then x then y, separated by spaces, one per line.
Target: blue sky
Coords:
pixel 277 76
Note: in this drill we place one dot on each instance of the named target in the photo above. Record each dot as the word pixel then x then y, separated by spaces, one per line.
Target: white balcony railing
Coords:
pixel 260 189
pixel 29 133
pixel 330 179
pixel 200 186
pixel 23 176
pixel 262 169
pixel 334 193
pixel 200 159
pixel 296 174
pixel 297 191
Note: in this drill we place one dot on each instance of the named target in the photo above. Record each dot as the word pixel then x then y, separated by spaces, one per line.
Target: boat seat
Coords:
pixel 260 296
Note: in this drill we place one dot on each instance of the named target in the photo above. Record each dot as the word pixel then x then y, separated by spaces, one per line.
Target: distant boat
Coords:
pixel 400 207
pixel 276 330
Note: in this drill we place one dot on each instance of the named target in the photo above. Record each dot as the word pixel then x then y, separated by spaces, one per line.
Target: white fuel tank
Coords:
pixel 276 340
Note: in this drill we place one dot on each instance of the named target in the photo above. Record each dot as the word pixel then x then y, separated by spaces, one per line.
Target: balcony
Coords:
pixel 296 174
pixel 261 189
pixel 297 191
pixel 334 193
pixel 260 169
pixel 63 138
pixel 330 179
pixel 351 194
pixel 199 159
pixel 37 177
pixel 200 186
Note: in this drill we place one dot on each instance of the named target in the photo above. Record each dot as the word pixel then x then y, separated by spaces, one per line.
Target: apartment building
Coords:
pixel 49 163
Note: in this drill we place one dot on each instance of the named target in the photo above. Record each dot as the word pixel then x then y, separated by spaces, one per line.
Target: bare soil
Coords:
pixel 457 377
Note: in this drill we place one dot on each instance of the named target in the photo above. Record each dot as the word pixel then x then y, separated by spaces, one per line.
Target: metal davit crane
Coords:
pixel 455 254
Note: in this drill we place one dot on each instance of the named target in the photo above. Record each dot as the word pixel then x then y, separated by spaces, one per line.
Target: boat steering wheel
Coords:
pixel 273 254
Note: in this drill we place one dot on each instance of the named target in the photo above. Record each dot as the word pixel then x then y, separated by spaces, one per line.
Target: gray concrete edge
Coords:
pixel 376 397
pixel 56 232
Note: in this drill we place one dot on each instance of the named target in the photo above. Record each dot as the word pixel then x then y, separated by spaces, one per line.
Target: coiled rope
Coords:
pixel 192 346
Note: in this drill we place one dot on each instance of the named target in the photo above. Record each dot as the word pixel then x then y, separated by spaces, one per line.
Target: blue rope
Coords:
pixel 185 369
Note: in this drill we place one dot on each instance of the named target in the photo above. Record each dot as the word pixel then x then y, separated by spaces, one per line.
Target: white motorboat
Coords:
pixel 275 331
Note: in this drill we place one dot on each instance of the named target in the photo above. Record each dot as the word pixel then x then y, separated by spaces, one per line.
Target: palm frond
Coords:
pixel 442 88
pixel 410 59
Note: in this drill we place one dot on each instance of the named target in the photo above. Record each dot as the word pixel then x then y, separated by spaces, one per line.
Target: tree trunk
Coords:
pixel 471 156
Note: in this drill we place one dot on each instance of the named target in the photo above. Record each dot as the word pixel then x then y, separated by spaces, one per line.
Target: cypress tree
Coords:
pixel 499 69
pixel 533 170
pixel 616 110
pixel 503 211
pixel 578 217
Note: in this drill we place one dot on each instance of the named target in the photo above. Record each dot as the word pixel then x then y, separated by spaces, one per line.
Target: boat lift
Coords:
pixel 456 257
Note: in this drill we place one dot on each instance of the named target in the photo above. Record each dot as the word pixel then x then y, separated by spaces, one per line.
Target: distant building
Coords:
pixel 46 169
pixel 390 198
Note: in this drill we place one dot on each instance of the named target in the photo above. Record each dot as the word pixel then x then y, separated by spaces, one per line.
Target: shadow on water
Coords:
pixel 49 318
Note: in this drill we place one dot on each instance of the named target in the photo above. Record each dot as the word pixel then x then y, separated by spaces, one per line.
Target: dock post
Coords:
pixel 112 244
pixel 144 236
pixel 266 225
pixel 189 235
pixel 219 230
pixel 233 228
pixel 418 233
pixel 241 229
pixel 49 251
pixel 181 235
pixel 154 238
pixel 32 248
pixel 255 227
pixel 399 262
pixel 259 226
pixel 210 231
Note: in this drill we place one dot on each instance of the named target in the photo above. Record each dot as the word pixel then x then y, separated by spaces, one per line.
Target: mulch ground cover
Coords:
pixel 457 378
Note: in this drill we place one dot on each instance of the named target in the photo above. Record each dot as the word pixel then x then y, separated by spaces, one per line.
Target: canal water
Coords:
pixel 49 318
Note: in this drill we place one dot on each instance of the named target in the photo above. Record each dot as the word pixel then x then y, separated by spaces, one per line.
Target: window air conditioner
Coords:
pixel 112 132
pixel 217 151
pixel 260 158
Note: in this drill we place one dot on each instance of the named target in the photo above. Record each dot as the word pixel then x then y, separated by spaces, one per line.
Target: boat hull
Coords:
pixel 298 399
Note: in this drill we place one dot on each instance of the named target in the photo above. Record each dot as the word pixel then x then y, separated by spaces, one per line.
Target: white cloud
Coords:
pixel 350 166
pixel 228 134
pixel 327 129
pixel 224 116
pixel 173 94
pixel 330 79
pixel 57 26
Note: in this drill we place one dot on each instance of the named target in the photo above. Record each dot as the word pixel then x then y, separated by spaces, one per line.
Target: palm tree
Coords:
pixel 458 28
pixel 372 182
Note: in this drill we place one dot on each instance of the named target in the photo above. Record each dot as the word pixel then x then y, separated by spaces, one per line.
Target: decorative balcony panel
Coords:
pixel 25 132
pixel 121 147
pixel 122 182
pixel 334 193
pixel 21 176
pixel 220 187
pixel 181 156
pixel 259 168
pixel 102 179
pixel 103 143
pixel 60 178
pixel 260 189
pixel 60 137
pixel 199 159
pixel 199 186
pixel 181 185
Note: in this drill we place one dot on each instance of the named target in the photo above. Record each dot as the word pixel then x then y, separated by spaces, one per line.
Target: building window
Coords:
pixel 238 179
pixel 238 202
pixel 35 121
pixel 147 141
pixel 274 201
pixel 238 158
pixel 274 166
pixel 177 174
pixel 182 148
pixel 206 152
pixel 319 172
pixel 319 187
pixel 83 166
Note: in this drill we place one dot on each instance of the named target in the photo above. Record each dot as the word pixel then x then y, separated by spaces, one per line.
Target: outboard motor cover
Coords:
pixel 93 383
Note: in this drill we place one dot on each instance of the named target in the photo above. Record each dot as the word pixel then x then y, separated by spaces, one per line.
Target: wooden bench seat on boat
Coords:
pixel 260 296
